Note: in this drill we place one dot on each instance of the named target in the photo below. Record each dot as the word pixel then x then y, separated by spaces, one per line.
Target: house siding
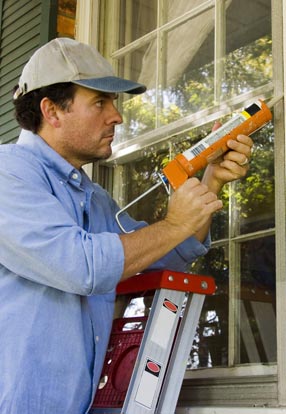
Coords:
pixel 25 25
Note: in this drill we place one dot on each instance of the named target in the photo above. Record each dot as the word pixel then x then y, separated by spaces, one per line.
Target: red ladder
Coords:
pixel 155 357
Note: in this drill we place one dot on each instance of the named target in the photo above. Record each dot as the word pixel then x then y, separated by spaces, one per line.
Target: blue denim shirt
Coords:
pixel 60 261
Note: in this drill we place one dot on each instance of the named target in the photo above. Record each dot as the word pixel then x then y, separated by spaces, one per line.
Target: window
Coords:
pixel 202 61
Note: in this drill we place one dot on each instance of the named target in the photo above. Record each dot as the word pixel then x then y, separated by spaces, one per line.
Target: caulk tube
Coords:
pixel 185 165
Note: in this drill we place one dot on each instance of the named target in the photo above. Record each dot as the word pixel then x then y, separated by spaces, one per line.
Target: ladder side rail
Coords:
pixel 144 387
pixel 178 362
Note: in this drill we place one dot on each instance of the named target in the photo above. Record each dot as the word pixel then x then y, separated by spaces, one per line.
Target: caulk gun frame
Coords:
pixel 163 181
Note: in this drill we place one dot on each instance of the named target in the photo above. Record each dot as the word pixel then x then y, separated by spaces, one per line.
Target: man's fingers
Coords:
pixel 245 139
pixel 242 144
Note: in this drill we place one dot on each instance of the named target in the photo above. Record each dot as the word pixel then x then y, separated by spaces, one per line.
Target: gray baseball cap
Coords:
pixel 66 60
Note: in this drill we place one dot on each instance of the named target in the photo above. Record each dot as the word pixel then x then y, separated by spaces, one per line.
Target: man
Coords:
pixel 62 253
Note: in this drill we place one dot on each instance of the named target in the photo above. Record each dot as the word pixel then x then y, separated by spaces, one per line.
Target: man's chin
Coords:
pixel 107 155
pixel 102 157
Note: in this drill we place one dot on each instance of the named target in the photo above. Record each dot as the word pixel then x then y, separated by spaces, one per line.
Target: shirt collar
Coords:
pixel 50 157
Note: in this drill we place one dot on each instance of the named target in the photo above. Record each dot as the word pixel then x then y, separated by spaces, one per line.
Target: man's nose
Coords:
pixel 115 116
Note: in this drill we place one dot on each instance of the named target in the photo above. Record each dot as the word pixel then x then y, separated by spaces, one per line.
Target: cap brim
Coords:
pixel 112 84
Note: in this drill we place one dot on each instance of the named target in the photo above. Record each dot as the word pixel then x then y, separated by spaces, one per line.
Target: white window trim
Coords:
pixel 87 17
pixel 231 410
pixel 279 77
pixel 86 31
pixel 233 372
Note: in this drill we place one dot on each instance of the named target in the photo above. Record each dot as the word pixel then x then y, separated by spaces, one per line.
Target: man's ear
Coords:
pixel 50 112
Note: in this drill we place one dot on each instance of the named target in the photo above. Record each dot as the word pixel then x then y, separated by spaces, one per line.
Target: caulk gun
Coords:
pixel 188 163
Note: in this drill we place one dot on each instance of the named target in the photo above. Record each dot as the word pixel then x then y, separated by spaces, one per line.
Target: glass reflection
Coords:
pixel 138 111
pixel 253 199
pixel 248 62
pixel 137 17
pixel 189 85
pixel 211 343
pixel 141 176
pixel 257 301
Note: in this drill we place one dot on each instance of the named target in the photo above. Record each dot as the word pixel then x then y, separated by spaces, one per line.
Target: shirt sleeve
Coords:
pixel 183 255
pixel 41 242
pixel 177 259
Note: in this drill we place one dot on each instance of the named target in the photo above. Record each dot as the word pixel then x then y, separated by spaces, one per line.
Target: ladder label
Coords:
pixel 164 324
pixel 148 383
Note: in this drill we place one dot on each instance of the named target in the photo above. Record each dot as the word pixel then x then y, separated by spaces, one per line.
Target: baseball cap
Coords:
pixel 66 60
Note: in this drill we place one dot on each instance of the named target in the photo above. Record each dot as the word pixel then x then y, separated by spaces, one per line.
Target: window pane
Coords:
pixel 139 111
pixel 248 62
pixel 188 69
pixel 137 18
pixel 211 343
pixel 173 9
pixel 140 176
pixel 253 198
pixel 257 301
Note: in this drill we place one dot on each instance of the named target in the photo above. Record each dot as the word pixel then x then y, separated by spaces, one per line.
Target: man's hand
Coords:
pixel 231 166
pixel 189 214
pixel 191 207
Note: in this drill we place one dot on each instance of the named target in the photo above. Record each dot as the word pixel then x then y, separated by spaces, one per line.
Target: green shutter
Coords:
pixel 24 26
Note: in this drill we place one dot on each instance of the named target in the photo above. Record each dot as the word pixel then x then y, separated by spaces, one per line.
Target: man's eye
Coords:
pixel 99 104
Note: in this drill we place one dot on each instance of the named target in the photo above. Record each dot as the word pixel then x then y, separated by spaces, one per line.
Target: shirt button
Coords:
pixel 97 338
pixel 81 203
pixel 75 176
